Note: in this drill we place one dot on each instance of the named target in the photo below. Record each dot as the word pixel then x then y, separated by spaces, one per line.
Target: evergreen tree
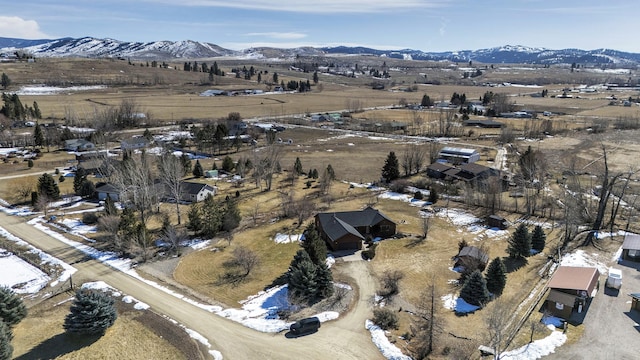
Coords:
pixel 110 207
pixel 231 218
pixel 275 78
pixel 391 169
pixel 315 77
pixel 496 277
pixel 228 164
pixel 195 218
pixel 38 136
pixel 36 111
pixel 519 243
pixel 198 171
pixel 30 163
pixel 324 281
pixel 12 309
pixel 538 239
pixel 297 167
pixel 5 81
pixel 92 313
pixel 87 189
pixel 47 186
pixel 314 245
pixel 330 172
pixel 6 349
pixel 79 177
pixel 301 279
pixel 433 195
pixel 474 291
pixel 186 163
pixel 426 101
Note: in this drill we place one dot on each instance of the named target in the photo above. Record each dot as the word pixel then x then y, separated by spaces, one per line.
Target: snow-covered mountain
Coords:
pixel 505 54
pixel 187 49
pixel 93 47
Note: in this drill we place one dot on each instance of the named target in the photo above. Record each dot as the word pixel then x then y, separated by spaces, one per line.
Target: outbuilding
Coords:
pixel 570 288
pixel 631 247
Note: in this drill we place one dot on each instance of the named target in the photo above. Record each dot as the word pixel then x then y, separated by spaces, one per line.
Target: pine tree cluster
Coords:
pixel 309 279
pixel 12 311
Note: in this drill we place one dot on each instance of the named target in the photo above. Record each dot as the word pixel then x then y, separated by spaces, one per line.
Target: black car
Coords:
pixel 305 326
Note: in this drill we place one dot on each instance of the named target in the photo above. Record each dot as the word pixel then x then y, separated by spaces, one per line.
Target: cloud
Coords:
pixel 15 27
pixel 319 6
pixel 279 35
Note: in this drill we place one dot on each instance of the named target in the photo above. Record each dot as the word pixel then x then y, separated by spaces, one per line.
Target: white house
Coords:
pixel 459 155
pixel 196 192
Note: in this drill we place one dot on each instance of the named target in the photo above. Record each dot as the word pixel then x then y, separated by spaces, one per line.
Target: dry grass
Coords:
pixel 126 339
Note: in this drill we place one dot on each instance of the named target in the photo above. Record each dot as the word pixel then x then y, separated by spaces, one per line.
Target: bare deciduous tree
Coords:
pixel 172 171
pixel 497 322
pixel 173 236
pixel 135 181
pixel 23 187
pixel 428 326
pixel 245 259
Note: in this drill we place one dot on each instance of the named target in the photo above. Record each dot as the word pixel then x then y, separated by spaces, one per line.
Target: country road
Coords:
pixel 345 338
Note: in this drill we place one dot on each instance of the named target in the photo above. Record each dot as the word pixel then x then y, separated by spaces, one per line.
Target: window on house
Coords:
pixel 633 253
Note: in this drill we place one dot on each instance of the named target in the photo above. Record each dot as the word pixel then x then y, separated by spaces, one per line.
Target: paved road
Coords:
pixel 611 331
pixel 345 338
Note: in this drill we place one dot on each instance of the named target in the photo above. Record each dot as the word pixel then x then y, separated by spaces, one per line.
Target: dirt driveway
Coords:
pixel 611 331
pixel 345 338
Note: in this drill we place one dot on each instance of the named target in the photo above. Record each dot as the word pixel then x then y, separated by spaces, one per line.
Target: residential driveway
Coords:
pixel 345 338
pixel 611 330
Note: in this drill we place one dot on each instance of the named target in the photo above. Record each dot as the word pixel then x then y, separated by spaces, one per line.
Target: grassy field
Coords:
pixel 170 95
pixel 134 335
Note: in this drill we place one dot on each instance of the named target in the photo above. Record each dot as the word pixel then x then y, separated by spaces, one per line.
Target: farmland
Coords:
pixel 572 139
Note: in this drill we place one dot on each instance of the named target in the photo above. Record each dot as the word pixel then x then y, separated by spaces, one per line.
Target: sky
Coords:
pixel 428 25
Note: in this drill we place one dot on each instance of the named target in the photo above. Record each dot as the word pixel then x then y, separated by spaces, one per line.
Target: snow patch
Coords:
pixel 379 338
pixel 287 238
pixel 452 302
pixel 538 348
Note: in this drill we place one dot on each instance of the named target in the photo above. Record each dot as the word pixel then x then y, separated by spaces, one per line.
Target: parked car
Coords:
pixel 614 279
pixel 305 326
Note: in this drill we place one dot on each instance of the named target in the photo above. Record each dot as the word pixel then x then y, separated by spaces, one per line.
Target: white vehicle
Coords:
pixel 614 279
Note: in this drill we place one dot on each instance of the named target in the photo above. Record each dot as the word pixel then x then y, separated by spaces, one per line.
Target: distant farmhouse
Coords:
pixel 348 229
pixel 78 145
pixel 458 155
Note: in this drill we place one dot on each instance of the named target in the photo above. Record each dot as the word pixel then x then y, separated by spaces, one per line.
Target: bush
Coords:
pixel 89 218
pixel 385 318
pixel 370 253
pixel 399 185
pixel 92 313
pixel 418 195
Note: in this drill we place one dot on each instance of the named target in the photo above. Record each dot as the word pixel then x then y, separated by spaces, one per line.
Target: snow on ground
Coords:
pixel 538 348
pixel 482 232
pixel 458 217
pixel 330 260
pixel 172 135
pixel 287 238
pixel 67 270
pixel 552 320
pixel 391 195
pixel 388 350
pixel 452 302
pixel 104 287
pixel 582 258
pixel 196 244
pixel 78 227
pixel 21 276
pixel 5 151
pixel 35 90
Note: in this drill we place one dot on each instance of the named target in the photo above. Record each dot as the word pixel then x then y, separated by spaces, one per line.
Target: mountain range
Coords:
pixel 187 49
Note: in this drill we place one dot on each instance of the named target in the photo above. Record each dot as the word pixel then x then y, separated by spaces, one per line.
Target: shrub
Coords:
pixel 418 195
pixel 385 318
pixel 370 253
pixel 399 185
pixel 92 313
pixel 89 218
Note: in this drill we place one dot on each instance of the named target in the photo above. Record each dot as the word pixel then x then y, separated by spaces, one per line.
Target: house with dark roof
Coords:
pixel 631 247
pixel 195 192
pixel 570 288
pixel 347 230
pixel 438 170
pixel 108 190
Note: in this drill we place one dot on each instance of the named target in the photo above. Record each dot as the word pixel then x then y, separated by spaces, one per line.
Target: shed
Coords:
pixel 570 288
pixel 496 221
pixel 631 247
pixel 472 255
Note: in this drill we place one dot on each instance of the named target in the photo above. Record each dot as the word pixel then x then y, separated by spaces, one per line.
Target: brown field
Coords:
pixel 135 335
pixel 173 95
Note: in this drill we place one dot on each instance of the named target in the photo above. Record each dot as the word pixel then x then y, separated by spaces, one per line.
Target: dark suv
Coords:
pixel 305 326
